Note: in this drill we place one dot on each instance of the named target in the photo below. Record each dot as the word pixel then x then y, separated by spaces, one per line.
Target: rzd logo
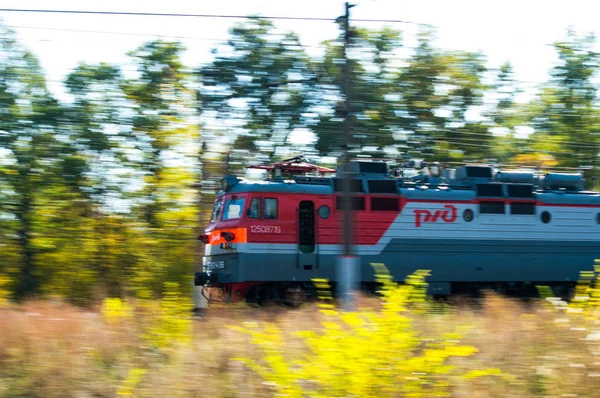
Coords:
pixel 447 215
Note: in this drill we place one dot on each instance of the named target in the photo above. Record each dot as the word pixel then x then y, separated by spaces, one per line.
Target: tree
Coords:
pixel 466 131
pixel 507 115
pixel 259 86
pixel 418 84
pixel 37 162
pixel 165 125
pixel 440 93
pixel 165 113
pixel 566 120
pixel 374 101
pixel 100 128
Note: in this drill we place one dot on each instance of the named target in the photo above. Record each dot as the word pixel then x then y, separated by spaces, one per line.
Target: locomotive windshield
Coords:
pixel 233 209
pixel 216 211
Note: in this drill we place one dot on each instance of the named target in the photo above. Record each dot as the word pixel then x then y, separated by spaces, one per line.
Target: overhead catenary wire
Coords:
pixel 165 36
pixel 216 16
pixel 113 33
pixel 462 143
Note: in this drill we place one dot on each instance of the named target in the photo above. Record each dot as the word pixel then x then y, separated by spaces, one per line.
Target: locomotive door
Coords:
pixel 307 257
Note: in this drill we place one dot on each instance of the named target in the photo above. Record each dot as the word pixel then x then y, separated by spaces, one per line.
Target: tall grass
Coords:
pixel 153 349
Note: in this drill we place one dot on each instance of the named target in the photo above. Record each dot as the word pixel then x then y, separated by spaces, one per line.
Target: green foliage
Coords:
pixel 271 75
pixel 366 353
pixel 373 93
pixel 565 116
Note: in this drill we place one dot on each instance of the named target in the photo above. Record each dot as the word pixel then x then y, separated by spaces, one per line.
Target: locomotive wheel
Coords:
pixel 295 297
pixel 277 294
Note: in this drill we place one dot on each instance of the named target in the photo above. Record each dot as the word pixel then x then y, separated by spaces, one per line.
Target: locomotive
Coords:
pixel 473 226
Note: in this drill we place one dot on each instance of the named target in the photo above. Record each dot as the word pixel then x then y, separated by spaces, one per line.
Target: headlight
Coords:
pixel 228 182
pixel 203 238
pixel 228 236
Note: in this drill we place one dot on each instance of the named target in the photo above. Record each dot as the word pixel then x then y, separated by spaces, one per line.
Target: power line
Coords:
pixel 221 16
pixel 113 33
pixel 138 34
pixel 164 36
pixel 396 21
pixel 460 142
pixel 176 15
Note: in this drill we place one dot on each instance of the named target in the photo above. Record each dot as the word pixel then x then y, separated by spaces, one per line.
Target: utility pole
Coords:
pixel 348 262
pixel 204 205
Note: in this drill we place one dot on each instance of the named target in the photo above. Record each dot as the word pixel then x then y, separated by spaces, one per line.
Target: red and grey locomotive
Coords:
pixel 472 226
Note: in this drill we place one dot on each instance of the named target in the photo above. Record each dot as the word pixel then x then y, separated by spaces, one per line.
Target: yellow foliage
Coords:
pixel 114 310
pixel 586 297
pixel 538 159
pixel 171 325
pixel 547 295
pixel 131 382
pixel 4 292
pixel 372 114
pixel 483 372
pixel 366 353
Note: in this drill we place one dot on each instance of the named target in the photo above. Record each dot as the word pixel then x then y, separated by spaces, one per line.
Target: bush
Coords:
pixel 367 353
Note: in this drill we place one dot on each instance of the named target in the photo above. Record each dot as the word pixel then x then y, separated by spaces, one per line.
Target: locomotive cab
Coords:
pixel 223 234
pixel 260 234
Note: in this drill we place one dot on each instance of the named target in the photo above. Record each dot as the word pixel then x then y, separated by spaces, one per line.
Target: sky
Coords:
pixel 512 30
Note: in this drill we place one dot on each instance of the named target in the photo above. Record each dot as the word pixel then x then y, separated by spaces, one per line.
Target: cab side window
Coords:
pixel 254 209
pixel 270 208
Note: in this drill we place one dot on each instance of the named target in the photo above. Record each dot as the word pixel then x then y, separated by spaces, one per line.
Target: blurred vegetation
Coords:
pixel 102 194
pixel 399 344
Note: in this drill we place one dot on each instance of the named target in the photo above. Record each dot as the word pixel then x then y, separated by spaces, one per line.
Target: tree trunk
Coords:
pixel 28 282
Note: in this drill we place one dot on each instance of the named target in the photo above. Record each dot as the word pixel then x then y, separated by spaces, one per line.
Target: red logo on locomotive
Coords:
pixel 448 215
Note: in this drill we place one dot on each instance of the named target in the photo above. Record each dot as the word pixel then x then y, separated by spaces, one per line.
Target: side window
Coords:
pixel 254 209
pixel 270 208
pixel 233 209
pixel 385 204
pixel 357 203
pixel 494 207
pixel 522 208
